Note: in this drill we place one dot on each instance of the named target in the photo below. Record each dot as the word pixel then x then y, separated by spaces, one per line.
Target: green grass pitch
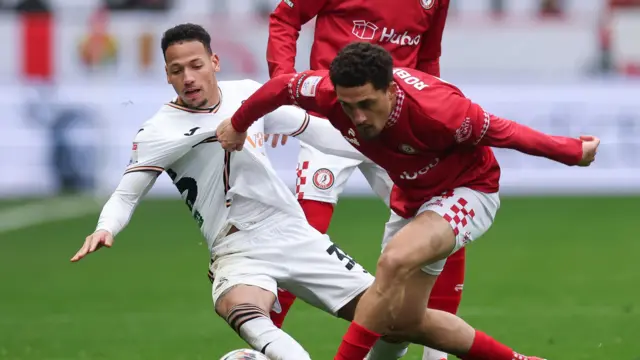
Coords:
pixel 556 277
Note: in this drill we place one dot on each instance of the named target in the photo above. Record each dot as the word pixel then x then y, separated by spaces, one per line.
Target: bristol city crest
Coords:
pixel 323 179
pixel 427 4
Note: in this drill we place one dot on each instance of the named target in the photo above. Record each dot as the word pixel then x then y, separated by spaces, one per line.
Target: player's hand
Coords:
pixel 274 140
pixel 229 138
pixel 589 149
pixel 92 243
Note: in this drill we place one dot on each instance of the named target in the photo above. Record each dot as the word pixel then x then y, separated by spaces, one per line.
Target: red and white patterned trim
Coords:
pixel 458 215
pixel 301 178
pixel 397 110
pixel 485 128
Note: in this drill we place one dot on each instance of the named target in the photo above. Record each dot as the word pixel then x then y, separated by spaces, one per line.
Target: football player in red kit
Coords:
pixel 411 30
pixel 436 146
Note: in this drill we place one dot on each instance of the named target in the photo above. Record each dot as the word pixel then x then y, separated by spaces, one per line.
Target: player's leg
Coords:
pixel 396 300
pixel 446 294
pixel 243 294
pixel 320 180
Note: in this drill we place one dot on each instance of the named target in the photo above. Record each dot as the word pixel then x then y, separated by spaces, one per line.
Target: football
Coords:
pixel 244 354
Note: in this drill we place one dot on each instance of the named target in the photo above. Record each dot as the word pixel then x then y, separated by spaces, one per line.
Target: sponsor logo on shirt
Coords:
pixel 414 175
pixel 352 137
pixel 366 30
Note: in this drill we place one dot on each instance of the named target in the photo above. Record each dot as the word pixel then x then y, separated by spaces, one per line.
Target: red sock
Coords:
pixel 446 294
pixel 286 300
pixel 356 343
pixel 485 347
pixel 319 216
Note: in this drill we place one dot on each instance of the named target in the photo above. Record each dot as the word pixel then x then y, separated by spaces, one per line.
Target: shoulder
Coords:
pixel 240 86
pixel 161 126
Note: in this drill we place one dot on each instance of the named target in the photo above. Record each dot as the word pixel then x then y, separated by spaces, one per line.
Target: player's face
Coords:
pixel 191 71
pixel 367 107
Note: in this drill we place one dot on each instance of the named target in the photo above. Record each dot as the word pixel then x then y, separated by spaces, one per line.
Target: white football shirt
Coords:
pixel 219 188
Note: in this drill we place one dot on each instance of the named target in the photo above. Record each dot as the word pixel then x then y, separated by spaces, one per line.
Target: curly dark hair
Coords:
pixel 185 32
pixel 360 63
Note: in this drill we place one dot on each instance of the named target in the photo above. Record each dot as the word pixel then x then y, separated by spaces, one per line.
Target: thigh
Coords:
pixel 322 177
pixel 469 213
pixel 391 228
pixel 321 274
pixel 378 179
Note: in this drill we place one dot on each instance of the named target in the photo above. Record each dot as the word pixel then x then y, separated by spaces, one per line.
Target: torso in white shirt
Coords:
pixel 220 188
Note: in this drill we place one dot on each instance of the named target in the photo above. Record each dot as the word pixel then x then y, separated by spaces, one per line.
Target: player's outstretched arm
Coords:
pixel 317 132
pixel 117 212
pixel 273 94
pixel 468 124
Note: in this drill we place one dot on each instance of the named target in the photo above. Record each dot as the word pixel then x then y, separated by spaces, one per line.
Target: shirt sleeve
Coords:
pixel 285 23
pixel 155 150
pixel 315 131
pixel 308 90
pixel 118 210
pixel 474 126
pixel 431 47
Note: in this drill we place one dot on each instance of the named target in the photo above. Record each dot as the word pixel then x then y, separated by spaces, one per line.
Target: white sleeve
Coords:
pixel 315 131
pixel 155 149
pixel 117 212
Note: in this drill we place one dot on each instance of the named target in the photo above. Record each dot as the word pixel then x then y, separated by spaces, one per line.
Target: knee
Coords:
pixel 393 264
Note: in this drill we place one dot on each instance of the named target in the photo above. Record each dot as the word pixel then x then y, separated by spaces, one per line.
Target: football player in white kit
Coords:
pixel 255 229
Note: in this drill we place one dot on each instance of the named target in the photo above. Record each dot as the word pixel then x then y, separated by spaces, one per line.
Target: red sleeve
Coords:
pixel 284 29
pixel 308 90
pixel 431 48
pixel 481 128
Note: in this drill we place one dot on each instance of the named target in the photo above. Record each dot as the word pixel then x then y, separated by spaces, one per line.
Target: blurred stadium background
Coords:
pixel 557 275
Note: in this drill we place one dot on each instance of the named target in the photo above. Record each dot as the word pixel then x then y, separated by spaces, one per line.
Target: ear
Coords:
pixel 392 90
pixel 215 61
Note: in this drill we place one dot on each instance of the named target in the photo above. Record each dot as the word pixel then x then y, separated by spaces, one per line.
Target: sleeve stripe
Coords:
pixel 303 127
pixel 207 140
pixel 144 168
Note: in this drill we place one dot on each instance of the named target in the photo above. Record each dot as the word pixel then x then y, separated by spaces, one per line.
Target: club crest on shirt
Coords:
pixel 463 133
pixel 427 4
pixel 323 179
pixel 407 149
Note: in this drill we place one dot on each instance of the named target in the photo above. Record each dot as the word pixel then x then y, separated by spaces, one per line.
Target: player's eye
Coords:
pixel 176 71
pixel 365 104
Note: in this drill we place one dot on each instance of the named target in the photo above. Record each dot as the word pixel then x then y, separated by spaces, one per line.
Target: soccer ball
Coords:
pixel 244 354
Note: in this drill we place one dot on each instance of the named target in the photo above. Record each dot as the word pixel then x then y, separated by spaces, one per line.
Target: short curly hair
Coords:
pixel 360 63
pixel 185 32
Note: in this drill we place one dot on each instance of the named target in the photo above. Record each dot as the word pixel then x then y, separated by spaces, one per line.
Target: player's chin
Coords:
pixel 368 132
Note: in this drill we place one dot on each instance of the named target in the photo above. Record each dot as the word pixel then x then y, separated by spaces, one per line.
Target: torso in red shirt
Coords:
pixel 398 25
pixel 428 146
pixel 411 30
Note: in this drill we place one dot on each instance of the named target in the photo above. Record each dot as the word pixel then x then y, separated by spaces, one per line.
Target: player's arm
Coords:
pixel 285 23
pixel 317 132
pixel 474 126
pixel 152 152
pixel 306 90
pixel 431 47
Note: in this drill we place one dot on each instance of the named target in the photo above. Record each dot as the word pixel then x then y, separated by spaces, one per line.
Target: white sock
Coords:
pixel 432 354
pixel 383 350
pixel 265 337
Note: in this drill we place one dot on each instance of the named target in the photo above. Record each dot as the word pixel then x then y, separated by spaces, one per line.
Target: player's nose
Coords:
pixel 359 117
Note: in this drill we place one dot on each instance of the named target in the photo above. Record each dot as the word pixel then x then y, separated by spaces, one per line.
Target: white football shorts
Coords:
pixel 288 253
pixel 323 177
pixel 470 214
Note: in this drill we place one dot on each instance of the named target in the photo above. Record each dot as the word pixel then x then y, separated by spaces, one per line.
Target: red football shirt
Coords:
pixel 435 140
pixel 411 30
